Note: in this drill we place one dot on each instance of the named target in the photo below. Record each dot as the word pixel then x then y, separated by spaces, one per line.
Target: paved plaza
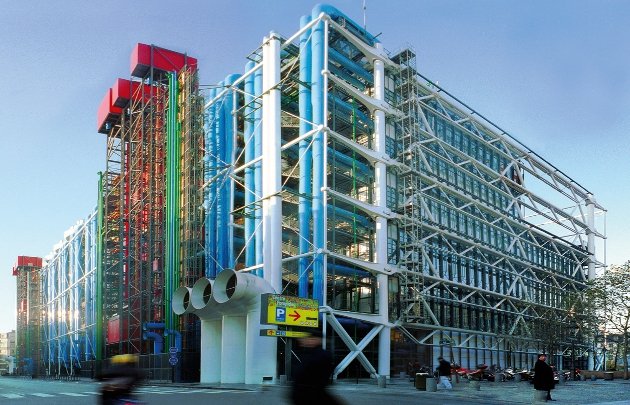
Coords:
pixel 588 392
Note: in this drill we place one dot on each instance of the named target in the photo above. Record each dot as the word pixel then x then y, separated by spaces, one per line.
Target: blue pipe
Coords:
pixel 221 234
pixel 362 220
pixel 352 26
pixel 153 325
pixel 230 156
pixel 250 249
pixel 347 77
pixel 210 193
pixel 348 162
pixel 306 163
pixel 158 341
pixel 347 271
pixel 317 99
pixel 178 338
pixel 349 64
pixel 258 172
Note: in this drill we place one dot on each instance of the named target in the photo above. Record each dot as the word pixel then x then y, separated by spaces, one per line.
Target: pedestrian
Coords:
pixel 120 379
pixel 543 376
pixel 444 374
pixel 313 373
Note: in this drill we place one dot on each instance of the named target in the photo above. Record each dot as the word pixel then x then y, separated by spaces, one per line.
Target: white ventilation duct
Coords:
pixel 232 350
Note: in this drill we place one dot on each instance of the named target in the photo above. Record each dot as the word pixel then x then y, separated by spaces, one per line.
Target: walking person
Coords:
pixel 313 373
pixel 444 373
pixel 543 376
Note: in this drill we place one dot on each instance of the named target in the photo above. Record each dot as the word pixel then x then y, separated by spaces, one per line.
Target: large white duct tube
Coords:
pixel 181 301
pixel 206 308
pixel 232 350
pixel 238 294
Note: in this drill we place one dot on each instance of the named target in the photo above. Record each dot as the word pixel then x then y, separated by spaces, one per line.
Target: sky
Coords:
pixel 555 75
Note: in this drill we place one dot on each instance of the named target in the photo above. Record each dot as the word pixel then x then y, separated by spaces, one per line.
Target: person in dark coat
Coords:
pixel 543 376
pixel 313 373
pixel 444 373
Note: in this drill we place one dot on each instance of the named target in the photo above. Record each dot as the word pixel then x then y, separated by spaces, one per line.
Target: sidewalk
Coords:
pixel 598 392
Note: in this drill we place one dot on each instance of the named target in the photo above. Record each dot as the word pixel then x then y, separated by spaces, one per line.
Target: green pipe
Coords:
pixel 98 349
pixel 173 179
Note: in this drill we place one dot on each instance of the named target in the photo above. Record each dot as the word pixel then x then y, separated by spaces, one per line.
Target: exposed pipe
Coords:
pixel 272 184
pixel 229 310
pixel 306 162
pixel 210 192
pixel 317 100
pixel 250 223
pixel 346 21
pixel 181 301
pixel 258 89
pixel 153 325
pixel 229 107
pixel 178 338
pixel 380 169
pixel 158 341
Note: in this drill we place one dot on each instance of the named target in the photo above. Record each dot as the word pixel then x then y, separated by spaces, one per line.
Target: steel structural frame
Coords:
pixel 545 251
pixel 133 226
pixel 69 300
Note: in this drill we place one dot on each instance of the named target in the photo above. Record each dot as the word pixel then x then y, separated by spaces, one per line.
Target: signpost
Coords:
pixel 279 309
pixel 172 360
pixel 283 333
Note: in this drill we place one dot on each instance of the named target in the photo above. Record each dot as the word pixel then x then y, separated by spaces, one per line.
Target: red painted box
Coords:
pixel 163 60
pixel 107 112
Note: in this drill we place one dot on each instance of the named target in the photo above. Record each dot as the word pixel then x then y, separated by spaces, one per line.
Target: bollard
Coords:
pixel 382 381
pixel 475 385
pixel 431 385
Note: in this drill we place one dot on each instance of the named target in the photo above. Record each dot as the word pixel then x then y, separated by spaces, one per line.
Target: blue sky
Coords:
pixel 556 75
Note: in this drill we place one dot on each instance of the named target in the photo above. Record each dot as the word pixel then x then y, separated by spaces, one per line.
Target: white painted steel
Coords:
pixel 271 167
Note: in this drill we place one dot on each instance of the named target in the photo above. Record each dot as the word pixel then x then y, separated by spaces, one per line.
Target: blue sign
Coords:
pixel 172 361
pixel 281 314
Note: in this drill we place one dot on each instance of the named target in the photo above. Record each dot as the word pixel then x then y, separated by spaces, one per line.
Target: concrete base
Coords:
pixel 431 385
pixel 382 381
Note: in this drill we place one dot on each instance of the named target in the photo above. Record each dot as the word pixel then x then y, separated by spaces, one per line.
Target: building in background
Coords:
pixel 7 352
pixel 7 343
pixel 335 171
pixel 29 315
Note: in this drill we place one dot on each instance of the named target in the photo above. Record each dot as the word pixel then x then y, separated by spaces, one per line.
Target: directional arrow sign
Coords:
pixel 283 333
pixel 295 315
pixel 279 309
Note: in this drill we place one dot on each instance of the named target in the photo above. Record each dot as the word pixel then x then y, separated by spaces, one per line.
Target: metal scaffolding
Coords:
pixel 147 243
pixel 68 284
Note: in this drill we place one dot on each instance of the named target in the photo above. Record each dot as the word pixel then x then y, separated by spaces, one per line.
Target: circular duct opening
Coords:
pixel 186 300
pixel 230 286
pixel 207 293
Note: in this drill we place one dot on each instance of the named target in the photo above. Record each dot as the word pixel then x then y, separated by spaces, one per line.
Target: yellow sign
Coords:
pixel 279 309
pixel 283 333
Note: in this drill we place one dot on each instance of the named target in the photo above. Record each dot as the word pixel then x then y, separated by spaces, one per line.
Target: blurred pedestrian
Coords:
pixel 444 374
pixel 120 379
pixel 313 373
pixel 543 376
